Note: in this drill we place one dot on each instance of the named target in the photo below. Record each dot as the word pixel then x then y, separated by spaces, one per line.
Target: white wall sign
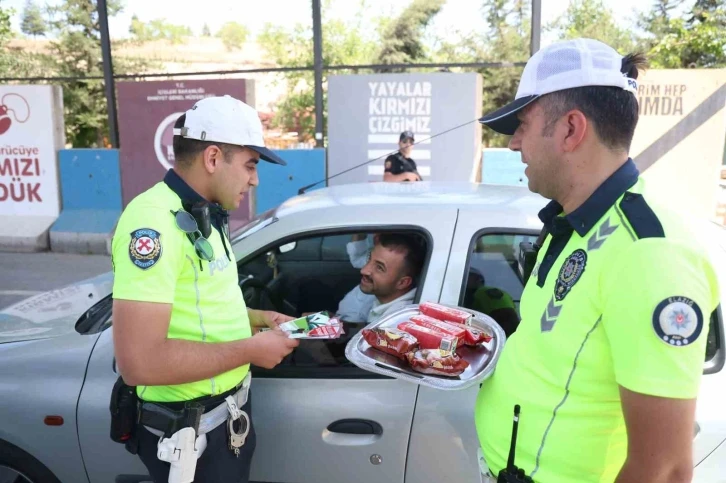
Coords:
pixel 31 132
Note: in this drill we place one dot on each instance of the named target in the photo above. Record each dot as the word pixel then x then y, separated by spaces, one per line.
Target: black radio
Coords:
pixel 512 474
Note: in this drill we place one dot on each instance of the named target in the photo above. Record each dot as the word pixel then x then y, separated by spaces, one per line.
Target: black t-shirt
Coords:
pixel 398 163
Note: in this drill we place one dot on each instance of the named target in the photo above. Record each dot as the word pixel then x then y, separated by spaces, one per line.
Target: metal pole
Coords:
pixel 108 73
pixel 318 66
pixel 536 26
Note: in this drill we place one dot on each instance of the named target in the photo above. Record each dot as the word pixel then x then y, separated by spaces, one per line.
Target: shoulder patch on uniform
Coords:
pixel 678 321
pixel 145 248
pixel 570 273
pixel 641 217
pixel 388 165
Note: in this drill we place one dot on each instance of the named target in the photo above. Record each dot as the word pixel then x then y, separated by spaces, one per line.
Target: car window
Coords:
pixel 714 343
pixel 306 274
pixel 492 285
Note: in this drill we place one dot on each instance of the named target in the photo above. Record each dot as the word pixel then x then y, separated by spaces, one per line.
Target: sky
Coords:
pixel 463 15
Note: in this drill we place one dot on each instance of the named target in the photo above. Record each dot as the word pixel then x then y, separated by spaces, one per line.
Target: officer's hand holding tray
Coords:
pixel 435 345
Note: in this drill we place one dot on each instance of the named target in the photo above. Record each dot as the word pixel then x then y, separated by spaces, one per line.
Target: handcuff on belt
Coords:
pixel 183 434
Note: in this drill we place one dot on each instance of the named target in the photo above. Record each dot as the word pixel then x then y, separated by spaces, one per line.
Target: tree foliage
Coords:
pixel 6 29
pixel 697 39
pixel 76 52
pixel 32 22
pixel 401 42
pixel 158 29
pixel 343 44
pixel 592 19
pixel 233 35
pixel 506 40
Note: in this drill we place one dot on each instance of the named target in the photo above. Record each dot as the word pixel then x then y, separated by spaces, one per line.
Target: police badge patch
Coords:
pixel 570 273
pixel 145 248
pixel 678 321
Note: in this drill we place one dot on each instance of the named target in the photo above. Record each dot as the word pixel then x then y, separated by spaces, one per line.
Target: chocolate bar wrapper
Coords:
pixel 313 326
pixel 454 330
pixel 475 336
pixel 391 341
pixel 428 338
pixel 446 314
pixel 436 362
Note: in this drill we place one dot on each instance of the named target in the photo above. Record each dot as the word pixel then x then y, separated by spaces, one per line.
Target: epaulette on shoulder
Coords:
pixel 642 218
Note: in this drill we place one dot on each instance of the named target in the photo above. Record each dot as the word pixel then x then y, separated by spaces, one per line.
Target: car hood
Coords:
pixel 52 313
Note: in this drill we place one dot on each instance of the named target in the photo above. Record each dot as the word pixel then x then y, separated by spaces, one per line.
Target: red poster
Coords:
pixel 146 115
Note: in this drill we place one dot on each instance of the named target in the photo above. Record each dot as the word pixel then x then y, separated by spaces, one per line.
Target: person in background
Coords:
pixel 400 166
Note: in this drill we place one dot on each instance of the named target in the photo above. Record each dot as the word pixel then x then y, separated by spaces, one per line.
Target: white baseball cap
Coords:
pixel 224 119
pixel 559 66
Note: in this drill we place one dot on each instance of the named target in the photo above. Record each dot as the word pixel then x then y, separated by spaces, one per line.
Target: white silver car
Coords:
pixel 319 419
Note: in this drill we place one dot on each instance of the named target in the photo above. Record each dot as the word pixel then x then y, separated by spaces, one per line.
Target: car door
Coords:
pixel 484 244
pixel 319 418
pixel 105 460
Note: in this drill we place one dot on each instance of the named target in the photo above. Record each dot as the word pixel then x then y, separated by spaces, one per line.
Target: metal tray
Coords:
pixel 482 359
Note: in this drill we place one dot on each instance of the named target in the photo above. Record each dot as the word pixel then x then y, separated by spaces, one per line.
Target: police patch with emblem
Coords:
pixel 678 321
pixel 145 248
pixel 570 273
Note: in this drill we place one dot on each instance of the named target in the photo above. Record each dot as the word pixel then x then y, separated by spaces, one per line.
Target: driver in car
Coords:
pixel 390 276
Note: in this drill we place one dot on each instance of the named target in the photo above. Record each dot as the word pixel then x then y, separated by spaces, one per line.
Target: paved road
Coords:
pixel 26 274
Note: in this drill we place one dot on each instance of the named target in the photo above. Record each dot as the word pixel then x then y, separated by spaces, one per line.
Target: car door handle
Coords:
pixel 352 432
pixel 355 426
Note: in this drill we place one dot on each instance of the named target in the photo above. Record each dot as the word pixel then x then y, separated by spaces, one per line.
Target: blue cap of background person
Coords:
pixel 559 66
pixel 407 135
pixel 224 119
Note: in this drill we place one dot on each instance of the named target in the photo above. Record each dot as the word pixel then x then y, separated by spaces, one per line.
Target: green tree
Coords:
pixel 6 29
pixel 15 61
pixel 592 19
pixel 506 40
pixel 233 35
pixel 402 39
pixel 695 40
pixel 158 29
pixel 139 30
pixel 77 54
pixel 344 43
pixel 32 22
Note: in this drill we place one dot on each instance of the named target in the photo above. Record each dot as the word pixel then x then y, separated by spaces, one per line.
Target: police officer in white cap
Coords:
pixel 182 332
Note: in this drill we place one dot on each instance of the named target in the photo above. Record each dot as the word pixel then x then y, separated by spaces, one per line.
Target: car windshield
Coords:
pixel 256 224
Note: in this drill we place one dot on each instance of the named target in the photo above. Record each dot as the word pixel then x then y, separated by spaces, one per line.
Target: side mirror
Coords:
pixel 287 247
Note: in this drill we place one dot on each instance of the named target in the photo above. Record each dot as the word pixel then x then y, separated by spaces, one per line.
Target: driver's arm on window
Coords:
pixel 358 252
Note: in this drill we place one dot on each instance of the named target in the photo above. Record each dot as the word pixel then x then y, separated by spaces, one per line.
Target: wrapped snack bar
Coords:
pixel 314 326
pixel 444 313
pixel 428 338
pixel 437 362
pixel 391 341
pixel 472 341
pixel 454 330
pixel 474 336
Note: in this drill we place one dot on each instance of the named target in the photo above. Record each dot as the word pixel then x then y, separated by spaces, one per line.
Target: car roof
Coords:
pixel 436 194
